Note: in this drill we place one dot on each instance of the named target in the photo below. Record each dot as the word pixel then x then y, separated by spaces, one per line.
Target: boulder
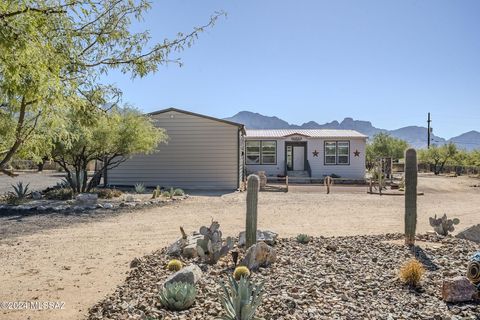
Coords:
pixel 269 237
pixel 176 248
pixel 86 199
pixel 190 249
pixel 108 206
pixel 259 255
pixel 190 274
pixel 458 289
pixel 472 233
pixel 36 195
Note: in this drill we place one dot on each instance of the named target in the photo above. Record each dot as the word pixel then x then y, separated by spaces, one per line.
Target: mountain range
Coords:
pixel 416 136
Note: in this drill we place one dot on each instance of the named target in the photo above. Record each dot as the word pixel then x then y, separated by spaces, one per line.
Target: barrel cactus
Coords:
pixel 240 272
pixel 178 296
pixel 174 265
pixel 443 225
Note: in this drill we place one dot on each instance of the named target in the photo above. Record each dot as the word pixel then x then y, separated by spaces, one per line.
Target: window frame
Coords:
pixel 260 162
pixel 337 163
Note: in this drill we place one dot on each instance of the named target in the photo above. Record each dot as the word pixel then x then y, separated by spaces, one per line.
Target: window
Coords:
pixel 330 152
pixel 343 149
pixel 253 152
pixel 337 152
pixel 261 152
pixel 269 152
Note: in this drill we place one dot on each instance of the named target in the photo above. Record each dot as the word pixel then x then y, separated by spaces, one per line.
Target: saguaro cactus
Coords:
pixel 253 185
pixel 411 173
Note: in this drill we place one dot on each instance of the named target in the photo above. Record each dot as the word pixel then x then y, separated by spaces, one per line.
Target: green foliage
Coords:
pixel 178 192
pixel 107 193
pixel 384 146
pixel 241 299
pixel 178 296
pixel 303 238
pixel 174 265
pixel 52 54
pixel 59 194
pixel 438 157
pixel 169 194
pixel 240 272
pixel 139 188
pixel 110 138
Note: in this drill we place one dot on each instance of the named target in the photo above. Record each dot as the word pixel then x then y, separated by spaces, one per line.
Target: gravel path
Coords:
pixel 328 278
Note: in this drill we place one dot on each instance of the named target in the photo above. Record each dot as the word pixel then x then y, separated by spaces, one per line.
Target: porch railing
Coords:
pixel 309 169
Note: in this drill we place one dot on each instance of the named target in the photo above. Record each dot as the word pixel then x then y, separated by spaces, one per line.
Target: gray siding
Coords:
pixel 200 154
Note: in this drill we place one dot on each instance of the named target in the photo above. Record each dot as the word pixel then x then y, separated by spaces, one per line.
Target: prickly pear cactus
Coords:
pixel 473 270
pixel 211 248
pixel 443 225
pixel 411 174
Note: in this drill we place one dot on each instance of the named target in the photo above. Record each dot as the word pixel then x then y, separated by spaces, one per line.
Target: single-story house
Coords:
pixel 202 153
pixel 306 152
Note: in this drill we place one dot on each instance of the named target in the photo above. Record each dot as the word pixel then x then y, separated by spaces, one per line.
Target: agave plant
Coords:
pixel 20 191
pixel 241 299
pixel 139 188
pixel 178 296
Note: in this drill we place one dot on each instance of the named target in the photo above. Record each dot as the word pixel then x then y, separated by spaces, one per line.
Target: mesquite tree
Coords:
pixel 52 51
pixel 109 138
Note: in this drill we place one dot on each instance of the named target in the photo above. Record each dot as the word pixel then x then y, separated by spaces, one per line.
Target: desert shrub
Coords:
pixel 174 265
pixel 59 194
pixel 139 188
pixel 240 272
pixel 178 192
pixel 107 193
pixel 411 272
pixel 303 238
pixel 178 296
pixel 169 194
pixel 241 299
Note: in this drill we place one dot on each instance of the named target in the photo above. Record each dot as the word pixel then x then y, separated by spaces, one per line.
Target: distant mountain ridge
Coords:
pixel 416 136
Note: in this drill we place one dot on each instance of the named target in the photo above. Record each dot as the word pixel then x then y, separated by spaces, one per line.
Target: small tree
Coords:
pixel 437 157
pixel 110 139
pixel 384 146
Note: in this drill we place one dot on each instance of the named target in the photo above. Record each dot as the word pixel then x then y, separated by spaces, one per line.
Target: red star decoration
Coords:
pixel 356 153
pixel 315 153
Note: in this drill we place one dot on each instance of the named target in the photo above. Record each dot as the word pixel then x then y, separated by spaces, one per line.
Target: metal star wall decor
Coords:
pixel 356 153
pixel 315 153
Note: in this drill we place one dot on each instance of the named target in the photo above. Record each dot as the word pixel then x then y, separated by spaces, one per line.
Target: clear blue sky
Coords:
pixel 389 62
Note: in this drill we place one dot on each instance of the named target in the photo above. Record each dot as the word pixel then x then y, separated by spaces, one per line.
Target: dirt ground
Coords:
pixel 80 261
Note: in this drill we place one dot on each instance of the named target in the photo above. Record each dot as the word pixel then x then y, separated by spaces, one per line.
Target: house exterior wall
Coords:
pixel 354 170
pixel 201 153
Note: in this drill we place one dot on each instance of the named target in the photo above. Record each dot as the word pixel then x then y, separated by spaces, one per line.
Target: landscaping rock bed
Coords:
pixel 328 278
pixel 72 206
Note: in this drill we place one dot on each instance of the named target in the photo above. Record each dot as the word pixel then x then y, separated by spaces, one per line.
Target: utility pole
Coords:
pixel 428 131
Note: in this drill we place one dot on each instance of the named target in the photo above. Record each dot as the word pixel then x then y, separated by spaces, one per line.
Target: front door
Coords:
pixel 298 158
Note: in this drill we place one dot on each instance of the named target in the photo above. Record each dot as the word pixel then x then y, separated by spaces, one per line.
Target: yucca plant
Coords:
pixel 178 296
pixel 139 188
pixel 241 299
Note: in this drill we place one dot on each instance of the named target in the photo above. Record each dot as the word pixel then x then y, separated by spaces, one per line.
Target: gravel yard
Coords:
pixel 328 278
pixel 37 180
pixel 81 259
